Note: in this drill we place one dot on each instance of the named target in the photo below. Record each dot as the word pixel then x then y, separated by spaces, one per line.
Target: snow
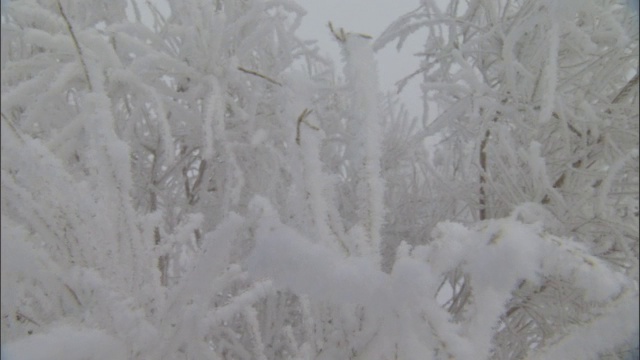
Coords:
pixel 66 342
pixel 18 255
pixel 296 263
pixel 607 330
pixel 327 235
pixel 498 255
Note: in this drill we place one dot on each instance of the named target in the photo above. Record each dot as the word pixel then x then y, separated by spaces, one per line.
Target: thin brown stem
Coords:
pixel 76 44
pixel 483 172
pixel 251 72
pixel 302 119
pixel 633 83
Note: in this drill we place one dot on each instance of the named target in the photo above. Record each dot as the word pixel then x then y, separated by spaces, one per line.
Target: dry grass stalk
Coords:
pixel 341 35
pixel 73 294
pixel 76 44
pixel 251 72
pixel 302 119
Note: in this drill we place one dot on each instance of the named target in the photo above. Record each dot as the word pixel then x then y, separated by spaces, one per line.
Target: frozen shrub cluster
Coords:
pixel 197 182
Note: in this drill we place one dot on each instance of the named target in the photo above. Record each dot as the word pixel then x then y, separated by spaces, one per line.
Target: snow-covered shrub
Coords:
pixel 535 104
pixel 199 183
pixel 501 262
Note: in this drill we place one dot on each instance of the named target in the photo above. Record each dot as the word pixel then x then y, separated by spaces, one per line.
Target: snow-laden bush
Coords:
pixel 199 183
pixel 501 261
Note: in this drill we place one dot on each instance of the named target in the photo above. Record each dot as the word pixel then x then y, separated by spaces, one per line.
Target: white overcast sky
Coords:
pixel 368 17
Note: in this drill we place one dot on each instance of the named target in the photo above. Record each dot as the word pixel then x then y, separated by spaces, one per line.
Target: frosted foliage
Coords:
pixel 193 181
pixel 66 342
pixel 499 256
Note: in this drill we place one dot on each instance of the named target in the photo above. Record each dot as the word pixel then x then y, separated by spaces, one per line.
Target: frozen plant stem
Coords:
pixel 302 119
pixel 626 90
pixel 483 201
pixel 251 72
pixel 365 128
pixel 13 128
pixel 76 44
pixel 483 172
pixel 339 35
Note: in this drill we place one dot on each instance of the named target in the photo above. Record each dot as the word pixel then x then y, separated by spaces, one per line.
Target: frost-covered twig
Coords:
pixel 364 149
pixel 20 317
pixel 12 127
pixel 302 119
pixel 73 294
pixel 631 84
pixel 259 75
pixel 339 35
pixel 258 291
pixel 76 44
